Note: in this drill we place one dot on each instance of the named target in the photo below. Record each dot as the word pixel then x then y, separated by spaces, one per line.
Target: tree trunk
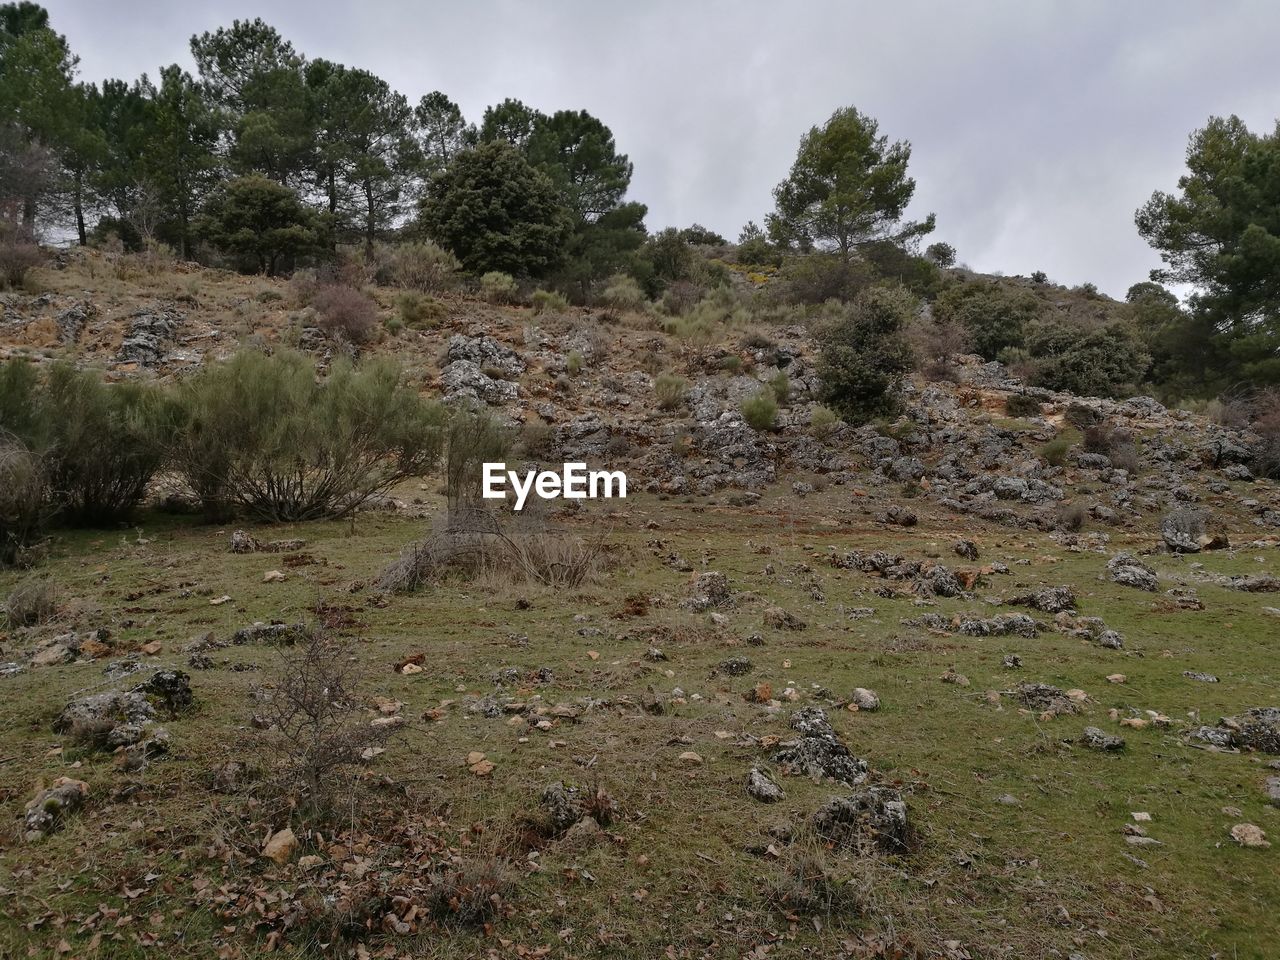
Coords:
pixel 79 208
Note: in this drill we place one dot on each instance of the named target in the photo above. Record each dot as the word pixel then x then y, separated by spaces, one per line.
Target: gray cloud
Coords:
pixel 1037 128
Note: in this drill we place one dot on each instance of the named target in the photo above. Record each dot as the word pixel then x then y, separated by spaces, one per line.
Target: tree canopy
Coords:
pixel 847 187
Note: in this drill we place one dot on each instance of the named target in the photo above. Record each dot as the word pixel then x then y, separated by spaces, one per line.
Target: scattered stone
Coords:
pixel 49 807
pixel 819 753
pixel 1128 571
pixel 281 846
pixel 736 666
pixel 864 699
pixel 1250 835
pixel 762 787
pixel 691 758
pixel 1012 661
pixel 1047 599
pixel 1045 698
pixel 1273 791
pixel 1201 677
pixel 953 676
pixel 966 549
pixel 782 620
pixel 167 689
pixel 709 589
pixel 1096 739
pixel 899 515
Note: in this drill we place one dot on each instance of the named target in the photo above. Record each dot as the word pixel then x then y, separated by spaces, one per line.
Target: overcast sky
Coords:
pixel 1037 127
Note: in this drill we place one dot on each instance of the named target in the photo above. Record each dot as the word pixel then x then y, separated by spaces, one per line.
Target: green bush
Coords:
pixel 499 287
pixel 1055 451
pixel 98 445
pixel 23 501
pixel 761 410
pixel 1102 363
pixel 731 364
pixel 781 385
pixel 864 353
pixel 423 266
pixel 823 422
pixel 265 435
pixel 709 319
pixel 573 363
pixel 418 310
pixel 817 278
pixel 623 293
pixel 670 389
pixel 1022 405
pixel 995 314
pixel 548 301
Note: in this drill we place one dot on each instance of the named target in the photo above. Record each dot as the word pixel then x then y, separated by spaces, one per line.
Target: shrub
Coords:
pixel 623 293
pixel 1265 412
pixel 346 314
pixel 935 344
pixel 99 445
pixel 548 301
pixel 864 354
pixel 23 501
pixel 1115 443
pixel 260 223
pixel 1055 451
pixel 474 438
pixel 1021 405
pixel 670 389
pixel 418 310
pixel 994 314
pixel 32 601
pixel 573 363
pixel 499 287
pixel 822 422
pixel 780 383
pixel 731 364
pixel 17 258
pixel 263 434
pixel 1071 517
pixel 1102 363
pixel 709 319
pixel 817 278
pixel 423 266
pixel 314 731
pixel 761 410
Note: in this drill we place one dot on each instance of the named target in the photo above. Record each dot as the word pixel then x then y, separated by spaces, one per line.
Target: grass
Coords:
pixel 985 873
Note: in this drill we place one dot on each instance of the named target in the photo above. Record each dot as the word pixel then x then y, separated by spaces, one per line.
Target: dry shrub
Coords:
pixel 424 266
pixel 345 313
pixel 483 543
pixel 935 344
pixel 1071 517
pixel 469 891
pixel 804 882
pixel 1113 442
pixel 17 259
pixel 23 502
pixel 31 602
pixel 1022 405
pixel 314 728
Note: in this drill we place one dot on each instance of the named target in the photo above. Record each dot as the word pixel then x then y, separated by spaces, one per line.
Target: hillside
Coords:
pixel 964 682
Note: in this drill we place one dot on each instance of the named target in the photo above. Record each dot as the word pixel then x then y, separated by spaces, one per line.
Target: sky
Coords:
pixel 1037 127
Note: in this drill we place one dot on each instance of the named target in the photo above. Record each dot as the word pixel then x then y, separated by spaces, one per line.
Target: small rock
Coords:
pixel 691 758
pixel 1249 835
pixel 761 786
pixel 1096 739
pixel 864 699
pixel 281 847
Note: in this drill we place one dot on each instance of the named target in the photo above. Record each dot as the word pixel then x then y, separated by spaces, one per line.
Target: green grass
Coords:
pixel 995 877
